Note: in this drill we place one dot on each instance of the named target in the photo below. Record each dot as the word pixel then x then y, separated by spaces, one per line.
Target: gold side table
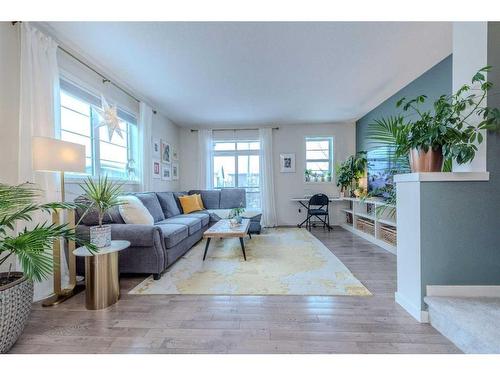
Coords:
pixel 102 276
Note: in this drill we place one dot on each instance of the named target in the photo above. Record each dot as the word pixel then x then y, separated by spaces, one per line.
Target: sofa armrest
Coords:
pixel 139 235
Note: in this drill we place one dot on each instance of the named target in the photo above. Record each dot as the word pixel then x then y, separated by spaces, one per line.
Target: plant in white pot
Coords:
pixel 101 195
pixel 32 248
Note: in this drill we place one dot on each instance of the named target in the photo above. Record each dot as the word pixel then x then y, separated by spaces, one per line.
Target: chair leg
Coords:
pixel 328 219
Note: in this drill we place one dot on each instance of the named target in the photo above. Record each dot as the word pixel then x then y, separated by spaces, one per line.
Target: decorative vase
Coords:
pixel 430 161
pixel 100 236
pixel 16 299
pixel 239 219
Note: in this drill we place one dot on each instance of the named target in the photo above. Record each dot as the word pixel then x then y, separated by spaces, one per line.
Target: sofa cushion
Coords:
pixel 168 204
pixel 151 202
pixel 178 194
pixel 193 223
pixel 91 217
pixel 210 198
pixel 190 203
pixel 173 233
pixel 232 198
pixel 205 217
pixel 133 211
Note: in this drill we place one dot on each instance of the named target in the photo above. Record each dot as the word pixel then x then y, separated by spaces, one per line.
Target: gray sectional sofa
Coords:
pixel 156 247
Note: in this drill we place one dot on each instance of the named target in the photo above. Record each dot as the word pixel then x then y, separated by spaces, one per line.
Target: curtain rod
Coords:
pixel 239 129
pixel 104 78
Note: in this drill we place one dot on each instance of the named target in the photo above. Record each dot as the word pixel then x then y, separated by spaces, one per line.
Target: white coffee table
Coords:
pixel 102 281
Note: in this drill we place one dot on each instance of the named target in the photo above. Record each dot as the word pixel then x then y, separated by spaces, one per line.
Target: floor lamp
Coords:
pixel 54 155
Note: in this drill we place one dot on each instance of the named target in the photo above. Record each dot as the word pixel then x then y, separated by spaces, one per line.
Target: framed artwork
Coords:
pixel 166 172
pixel 175 156
pixel 287 163
pixel 156 148
pixel 156 169
pixel 165 152
pixel 175 171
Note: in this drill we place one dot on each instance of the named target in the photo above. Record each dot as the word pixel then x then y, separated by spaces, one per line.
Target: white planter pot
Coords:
pixel 100 236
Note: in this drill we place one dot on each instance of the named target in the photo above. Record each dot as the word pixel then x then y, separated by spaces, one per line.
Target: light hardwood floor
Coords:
pixel 244 324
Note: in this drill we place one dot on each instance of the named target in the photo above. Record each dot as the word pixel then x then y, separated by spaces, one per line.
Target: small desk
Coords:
pixel 303 202
pixel 223 229
pixel 102 282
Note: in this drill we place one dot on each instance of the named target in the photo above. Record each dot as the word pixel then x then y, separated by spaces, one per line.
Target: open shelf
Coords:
pixel 366 222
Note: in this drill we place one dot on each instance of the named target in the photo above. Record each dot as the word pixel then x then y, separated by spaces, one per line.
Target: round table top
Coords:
pixel 116 245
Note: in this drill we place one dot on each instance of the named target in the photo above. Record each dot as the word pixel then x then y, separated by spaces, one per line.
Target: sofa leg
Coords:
pixel 156 276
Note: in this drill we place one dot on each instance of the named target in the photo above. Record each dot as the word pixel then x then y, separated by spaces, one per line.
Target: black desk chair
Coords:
pixel 318 207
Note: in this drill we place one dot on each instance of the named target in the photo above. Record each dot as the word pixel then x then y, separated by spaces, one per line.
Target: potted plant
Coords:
pixel 101 195
pixel 235 215
pixel 307 175
pixel 328 176
pixel 443 133
pixel 31 247
pixel 350 171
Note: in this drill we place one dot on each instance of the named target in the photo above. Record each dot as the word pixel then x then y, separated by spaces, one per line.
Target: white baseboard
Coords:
pixel 463 291
pixel 420 315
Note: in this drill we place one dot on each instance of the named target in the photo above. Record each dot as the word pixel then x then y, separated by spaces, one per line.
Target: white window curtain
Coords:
pixel 145 143
pixel 39 115
pixel 205 152
pixel 267 178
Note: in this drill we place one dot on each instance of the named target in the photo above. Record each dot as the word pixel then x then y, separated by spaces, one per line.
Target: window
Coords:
pixel 116 157
pixel 319 158
pixel 236 164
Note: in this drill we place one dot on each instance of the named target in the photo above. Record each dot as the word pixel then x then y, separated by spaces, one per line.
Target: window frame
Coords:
pixel 235 153
pixel 95 102
pixel 330 159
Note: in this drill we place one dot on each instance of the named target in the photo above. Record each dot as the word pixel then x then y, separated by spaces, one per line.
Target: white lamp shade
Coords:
pixel 54 155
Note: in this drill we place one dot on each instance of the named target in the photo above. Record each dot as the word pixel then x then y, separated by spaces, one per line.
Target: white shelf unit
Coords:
pixel 368 210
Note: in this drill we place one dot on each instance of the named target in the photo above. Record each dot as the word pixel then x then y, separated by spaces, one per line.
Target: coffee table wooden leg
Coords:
pixel 250 235
pixel 243 248
pixel 206 248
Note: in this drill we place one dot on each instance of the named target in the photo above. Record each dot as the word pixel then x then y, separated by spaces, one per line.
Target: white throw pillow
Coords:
pixel 133 211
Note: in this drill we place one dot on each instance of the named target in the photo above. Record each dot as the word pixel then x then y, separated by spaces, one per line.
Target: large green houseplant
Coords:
pixel 445 132
pixel 31 246
pixel 350 171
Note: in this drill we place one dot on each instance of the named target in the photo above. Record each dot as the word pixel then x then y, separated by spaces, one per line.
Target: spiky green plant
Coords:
pixel 18 205
pixel 102 195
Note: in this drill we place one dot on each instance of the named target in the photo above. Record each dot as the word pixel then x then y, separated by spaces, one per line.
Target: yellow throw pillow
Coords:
pixel 189 203
pixel 200 202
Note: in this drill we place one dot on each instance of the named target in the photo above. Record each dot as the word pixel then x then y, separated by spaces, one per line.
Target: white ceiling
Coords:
pixel 218 73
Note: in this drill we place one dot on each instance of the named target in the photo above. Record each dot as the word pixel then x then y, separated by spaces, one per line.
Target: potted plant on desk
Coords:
pixel 18 206
pixel 101 195
pixel 444 132
pixel 350 171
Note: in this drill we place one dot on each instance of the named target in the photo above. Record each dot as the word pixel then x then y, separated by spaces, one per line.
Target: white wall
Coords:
pixel 9 106
pixel 291 139
pixel 470 47
pixel 288 139
pixel 9 102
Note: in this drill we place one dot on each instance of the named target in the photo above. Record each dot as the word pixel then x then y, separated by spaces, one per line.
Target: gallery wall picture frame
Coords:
pixel 165 152
pixel 166 172
pixel 156 148
pixel 287 163
pixel 156 168
pixel 175 155
pixel 175 171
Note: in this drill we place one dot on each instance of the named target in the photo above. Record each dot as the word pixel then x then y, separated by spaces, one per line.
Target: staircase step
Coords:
pixel 472 324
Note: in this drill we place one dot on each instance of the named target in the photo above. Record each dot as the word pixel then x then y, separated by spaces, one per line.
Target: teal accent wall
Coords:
pixel 460 228
pixel 433 83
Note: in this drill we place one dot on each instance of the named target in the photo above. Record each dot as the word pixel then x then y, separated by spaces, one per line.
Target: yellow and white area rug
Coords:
pixel 284 261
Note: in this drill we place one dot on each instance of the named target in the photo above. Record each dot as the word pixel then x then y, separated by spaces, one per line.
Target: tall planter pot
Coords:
pixel 430 161
pixel 16 299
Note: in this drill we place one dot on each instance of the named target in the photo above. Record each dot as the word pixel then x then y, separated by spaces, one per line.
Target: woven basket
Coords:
pixel 366 226
pixel 388 234
pixel 15 308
